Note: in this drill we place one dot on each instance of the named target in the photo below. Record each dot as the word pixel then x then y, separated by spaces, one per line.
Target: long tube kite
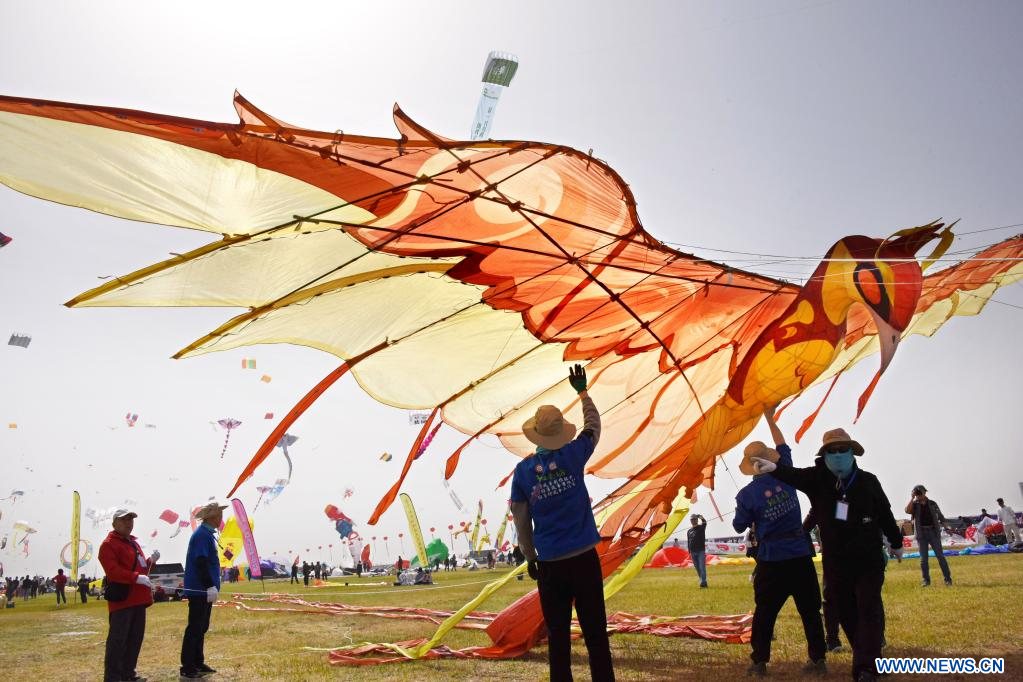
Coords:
pixel 489 266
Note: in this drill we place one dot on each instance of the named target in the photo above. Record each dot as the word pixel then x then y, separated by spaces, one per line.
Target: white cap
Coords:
pixel 124 512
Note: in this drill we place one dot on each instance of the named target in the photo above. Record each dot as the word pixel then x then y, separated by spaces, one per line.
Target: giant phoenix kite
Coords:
pixel 473 271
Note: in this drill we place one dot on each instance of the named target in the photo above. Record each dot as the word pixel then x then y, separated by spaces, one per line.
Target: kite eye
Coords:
pixel 871 287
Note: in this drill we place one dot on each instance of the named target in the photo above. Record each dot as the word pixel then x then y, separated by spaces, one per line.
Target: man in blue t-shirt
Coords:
pixel 202 586
pixel 784 558
pixel 557 533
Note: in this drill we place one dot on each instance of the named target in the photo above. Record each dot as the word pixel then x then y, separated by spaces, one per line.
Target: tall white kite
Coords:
pixel 497 75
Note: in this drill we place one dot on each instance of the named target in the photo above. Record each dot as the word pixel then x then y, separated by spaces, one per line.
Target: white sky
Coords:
pixel 767 128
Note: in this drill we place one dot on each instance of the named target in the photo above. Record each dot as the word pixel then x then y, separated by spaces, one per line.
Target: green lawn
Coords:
pixel 979 616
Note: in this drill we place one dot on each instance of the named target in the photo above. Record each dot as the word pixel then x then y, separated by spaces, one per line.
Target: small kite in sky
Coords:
pixel 248 363
pixel 12 425
pixel 5 240
pixel 268 415
pixel 348 493
pixel 21 340
pixel 169 516
pixel 130 419
pixel 266 378
pixel 229 425
pixel 386 457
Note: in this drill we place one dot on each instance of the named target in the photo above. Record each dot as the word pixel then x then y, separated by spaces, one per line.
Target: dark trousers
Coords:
pixel 929 535
pixel 84 595
pixel 699 558
pixel 775 582
pixel 124 641
pixel 576 579
pixel 830 615
pixel 294 578
pixel 857 590
pixel 61 595
pixel 192 655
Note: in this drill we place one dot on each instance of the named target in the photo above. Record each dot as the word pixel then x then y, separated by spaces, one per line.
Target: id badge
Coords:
pixel 842 510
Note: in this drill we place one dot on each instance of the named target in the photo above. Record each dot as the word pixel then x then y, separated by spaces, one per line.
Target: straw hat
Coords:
pixel 548 428
pixel 208 509
pixel 840 437
pixel 756 449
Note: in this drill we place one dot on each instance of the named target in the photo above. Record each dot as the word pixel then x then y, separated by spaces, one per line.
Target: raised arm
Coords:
pixel 591 417
pixel 776 434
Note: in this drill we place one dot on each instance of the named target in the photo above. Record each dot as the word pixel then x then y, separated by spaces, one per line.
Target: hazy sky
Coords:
pixel 764 128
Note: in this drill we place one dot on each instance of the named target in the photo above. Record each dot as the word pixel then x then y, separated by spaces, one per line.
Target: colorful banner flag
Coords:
pixel 248 541
pixel 248 363
pixel 501 529
pixel 414 530
pixel 476 527
pixel 76 530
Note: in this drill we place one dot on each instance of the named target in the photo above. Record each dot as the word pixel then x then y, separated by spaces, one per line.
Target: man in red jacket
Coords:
pixel 129 594
pixel 59 581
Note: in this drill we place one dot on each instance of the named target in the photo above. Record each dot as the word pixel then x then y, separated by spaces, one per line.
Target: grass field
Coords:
pixel 982 615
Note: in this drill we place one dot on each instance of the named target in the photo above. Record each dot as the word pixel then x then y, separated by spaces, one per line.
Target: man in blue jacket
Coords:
pixel 202 585
pixel 784 558
pixel 557 533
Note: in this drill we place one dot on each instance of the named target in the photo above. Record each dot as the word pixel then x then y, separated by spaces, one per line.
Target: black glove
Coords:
pixel 577 378
pixel 533 570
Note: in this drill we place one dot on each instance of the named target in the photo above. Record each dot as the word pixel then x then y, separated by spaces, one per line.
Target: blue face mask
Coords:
pixel 839 463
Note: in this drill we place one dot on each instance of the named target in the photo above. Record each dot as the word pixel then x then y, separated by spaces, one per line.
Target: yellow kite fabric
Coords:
pixel 489 267
pixel 231 544
pixel 415 530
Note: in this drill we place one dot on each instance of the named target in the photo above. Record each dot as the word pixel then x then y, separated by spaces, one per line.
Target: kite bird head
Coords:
pixel 882 275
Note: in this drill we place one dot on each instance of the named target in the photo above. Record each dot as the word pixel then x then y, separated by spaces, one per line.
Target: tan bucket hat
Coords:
pixel 208 509
pixel 839 437
pixel 756 449
pixel 548 428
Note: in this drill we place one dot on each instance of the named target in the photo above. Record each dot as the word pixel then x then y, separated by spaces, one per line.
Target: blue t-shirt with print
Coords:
pixel 551 483
pixel 774 508
pixel 201 544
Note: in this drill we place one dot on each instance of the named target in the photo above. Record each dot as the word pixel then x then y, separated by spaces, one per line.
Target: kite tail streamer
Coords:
pixel 271 442
pixel 227 439
pixel 391 494
pixel 429 439
pixel 808 422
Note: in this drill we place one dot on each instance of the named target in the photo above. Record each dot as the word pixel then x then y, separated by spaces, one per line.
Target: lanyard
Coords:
pixel 843 487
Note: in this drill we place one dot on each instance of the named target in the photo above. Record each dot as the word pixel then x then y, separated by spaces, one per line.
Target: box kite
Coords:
pixel 475 270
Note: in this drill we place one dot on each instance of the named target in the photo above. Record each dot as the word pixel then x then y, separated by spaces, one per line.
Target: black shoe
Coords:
pixel 205 669
pixel 835 647
pixel 191 675
pixel 866 676
pixel 135 679
pixel 756 670
pixel 703 585
pixel 925 583
pixel 948 582
pixel 816 668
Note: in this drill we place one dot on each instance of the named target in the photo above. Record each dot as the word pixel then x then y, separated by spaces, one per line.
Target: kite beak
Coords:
pixel 889 338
